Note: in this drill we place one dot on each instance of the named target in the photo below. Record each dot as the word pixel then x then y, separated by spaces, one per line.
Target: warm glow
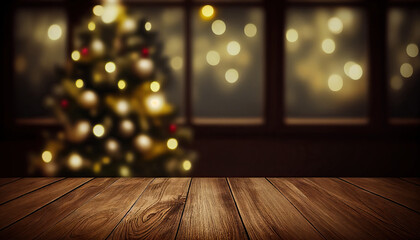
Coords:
pixel 75 55
pixel 396 82
pixel 110 67
pixel 355 72
pixel 328 46
pixel 91 26
pixel 110 13
pixel 176 63
pixel 218 27
pixel 186 165
pixel 213 58
pixel 172 143
pixel 335 82
pixel 54 32
pixel 79 83
pixel 155 102
pixel 97 46
pixel 406 70
pixel 347 67
pixel 98 130
pixel 111 145
pixel 121 84
pixel 88 99
pixel 148 26
pixel 46 156
pixel 75 161
pixel 231 75
pixel 106 160
pixel 82 128
pixel 122 107
pixel 412 50
pixel 250 30
pixel 127 127
pixel 124 171
pixel 292 35
pixel 97 167
pixel 335 25
pixel 154 86
pixel 207 12
pixel 143 142
pixel 98 10
pixel 129 25
pixel 233 48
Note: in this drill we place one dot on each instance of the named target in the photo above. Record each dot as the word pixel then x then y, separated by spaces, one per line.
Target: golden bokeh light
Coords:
pixel 186 165
pixel 328 46
pixel 335 25
pixel 122 107
pixel 143 142
pixel 176 63
pixel 98 130
pixel 172 143
pixel 98 10
pixel 111 146
pixel 54 32
pixel 75 161
pixel 207 12
pixel 129 25
pixel 355 71
pixel 46 156
pixel 396 83
pixel 250 30
pixel 213 58
pixel 347 66
pixel 97 46
pixel 106 160
pixel 406 70
pixel 97 167
pixel 154 86
pixel 218 27
pixel 110 67
pixel 231 75
pixel 124 171
pixel 233 48
pixel 155 102
pixel 335 82
pixel 292 35
pixel 91 26
pixel 79 83
pixel 412 50
pixel 148 26
pixel 75 55
pixel 110 13
pixel 121 84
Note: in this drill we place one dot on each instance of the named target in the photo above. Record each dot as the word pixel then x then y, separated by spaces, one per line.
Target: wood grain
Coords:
pixel 157 213
pixel 394 189
pixel 398 219
pixel 266 213
pixel 210 212
pixel 412 180
pixel 12 211
pixel 40 221
pixel 98 217
pixel 4 181
pixel 23 186
pixel 331 216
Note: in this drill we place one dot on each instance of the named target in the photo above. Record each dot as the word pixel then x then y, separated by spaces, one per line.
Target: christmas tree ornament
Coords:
pixel 143 143
pixel 144 67
pixel 64 103
pixel 172 128
pixel 145 52
pixel 88 99
pixel 85 51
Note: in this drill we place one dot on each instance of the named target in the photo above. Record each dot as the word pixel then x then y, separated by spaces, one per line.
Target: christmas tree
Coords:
pixel 111 105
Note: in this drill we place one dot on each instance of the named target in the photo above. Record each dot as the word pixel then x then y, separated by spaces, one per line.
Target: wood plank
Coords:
pixel 330 216
pixel 23 186
pixel 266 213
pixel 412 180
pixel 98 217
pixel 395 189
pixel 399 219
pixel 12 211
pixel 33 225
pixel 157 213
pixel 210 212
pixel 4 181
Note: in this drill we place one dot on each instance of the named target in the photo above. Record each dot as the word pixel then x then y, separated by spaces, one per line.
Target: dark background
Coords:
pixel 274 148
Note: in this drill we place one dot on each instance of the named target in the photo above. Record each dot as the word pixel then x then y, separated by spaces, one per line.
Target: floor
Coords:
pixel 210 208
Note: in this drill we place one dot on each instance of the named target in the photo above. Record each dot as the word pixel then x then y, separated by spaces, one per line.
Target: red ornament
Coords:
pixel 145 52
pixel 172 128
pixel 64 103
pixel 85 51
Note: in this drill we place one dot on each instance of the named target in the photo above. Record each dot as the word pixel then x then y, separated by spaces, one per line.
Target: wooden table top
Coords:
pixel 210 208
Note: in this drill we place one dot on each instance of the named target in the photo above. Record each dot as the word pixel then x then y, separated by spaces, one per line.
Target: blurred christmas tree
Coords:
pixel 111 104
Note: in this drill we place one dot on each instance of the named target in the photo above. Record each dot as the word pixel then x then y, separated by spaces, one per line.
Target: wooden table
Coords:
pixel 210 208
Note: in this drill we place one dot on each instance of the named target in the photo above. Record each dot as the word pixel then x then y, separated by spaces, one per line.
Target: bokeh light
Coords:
pixel 233 48
pixel 75 55
pixel 406 70
pixel 148 26
pixel 250 30
pixel 155 102
pixel 54 32
pixel 335 25
pixel 218 27
pixel 75 161
pixel 396 82
pixel 46 156
pixel 231 75
pixel 213 58
pixel 98 10
pixel 412 50
pixel 292 35
pixel 176 63
pixel 335 82
pixel 98 130
pixel 79 83
pixel 172 143
pixel 154 86
pixel 328 46
pixel 186 165
pixel 110 13
pixel 91 26
pixel 110 67
pixel 207 12
pixel 355 72
pixel 121 84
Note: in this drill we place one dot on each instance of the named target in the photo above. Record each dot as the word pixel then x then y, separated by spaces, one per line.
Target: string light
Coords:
pixel 98 130
pixel 328 46
pixel 98 10
pixel 88 99
pixel 110 13
pixel 355 72
pixel 97 167
pixel 218 27
pixel 231 75
pixel 110 67
pixel 292 35
pixel 207 12
pixel 122 107
pixel 250 30
pixel 97 46
pixel 335 82
pixel 412 50
pixel 75 161
pixel 79 83
pixel 233 48
pixel 46 156
pixel 75 55
pixel 148 26
pixel 129 25
pixel 54 32
pixel 154 86
pixel 121 84
pixel 143 142
pixel 406 70
pixel 335 25
pixel 172 143
pixel 106 160
pixel 213 58
pixel 111 146
pixel 91 26
pixel 396 82
pixel 186 165
pixel 124 171
pixel 176 63
pixel 155 102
